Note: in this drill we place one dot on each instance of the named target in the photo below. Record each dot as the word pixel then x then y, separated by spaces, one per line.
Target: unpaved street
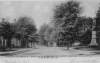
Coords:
pixel 56 52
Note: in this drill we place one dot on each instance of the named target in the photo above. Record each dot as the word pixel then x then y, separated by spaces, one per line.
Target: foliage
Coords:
pixel 43 34
pixel 65 19
pixel 98 26
pixel 21 30
pixel 84 33
pixel 24 28
pixel 7 31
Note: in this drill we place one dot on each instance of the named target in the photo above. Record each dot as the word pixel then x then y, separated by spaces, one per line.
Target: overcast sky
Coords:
pixel 41 11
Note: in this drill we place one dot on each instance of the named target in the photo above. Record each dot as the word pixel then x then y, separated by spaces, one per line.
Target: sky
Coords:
pixel 41 10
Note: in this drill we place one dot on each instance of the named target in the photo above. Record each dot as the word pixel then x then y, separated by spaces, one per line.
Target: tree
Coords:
pixel 84 33
pixel 42 33
pixel 21 30
pixel 98 26
pixel 7 30
pixel 24 28
pixel 65 19
pixel 48 35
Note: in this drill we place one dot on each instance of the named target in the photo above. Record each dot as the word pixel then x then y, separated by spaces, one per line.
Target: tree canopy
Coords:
pixel 65 19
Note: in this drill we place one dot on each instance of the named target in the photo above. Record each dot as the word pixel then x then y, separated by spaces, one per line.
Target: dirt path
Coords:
pixel 57 52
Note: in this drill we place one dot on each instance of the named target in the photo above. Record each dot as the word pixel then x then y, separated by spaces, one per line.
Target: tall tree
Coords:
pixel 24 28
pixel 84 33
pixel 42 33
pixel 7 30
pixel 98 26
pixel 48 35
pixel 65 18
